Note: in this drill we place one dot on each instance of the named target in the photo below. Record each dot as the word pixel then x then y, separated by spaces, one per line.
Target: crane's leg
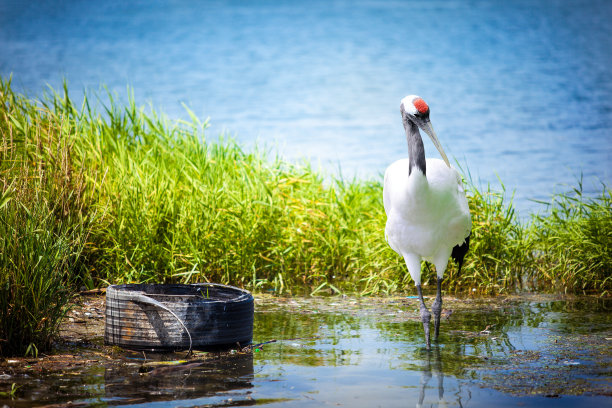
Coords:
pixel 440 261
pixel 436 308
pixel 413 263
pixel 425 316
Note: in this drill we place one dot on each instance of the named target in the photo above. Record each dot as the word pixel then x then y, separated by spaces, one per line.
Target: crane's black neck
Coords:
pixel 416 150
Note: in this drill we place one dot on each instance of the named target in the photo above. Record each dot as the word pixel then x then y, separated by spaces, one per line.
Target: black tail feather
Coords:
pixel 459 252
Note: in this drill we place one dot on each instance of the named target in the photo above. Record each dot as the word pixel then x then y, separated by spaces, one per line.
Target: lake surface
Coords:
pixel 530 351
pixel 517 89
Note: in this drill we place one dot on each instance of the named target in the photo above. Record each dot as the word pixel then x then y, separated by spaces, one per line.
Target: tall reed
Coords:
pixel 500 251
pixel 574 242
pixel 184 209
pixel 43 227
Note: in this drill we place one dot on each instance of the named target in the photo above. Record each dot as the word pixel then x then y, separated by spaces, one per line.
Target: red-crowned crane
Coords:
pixel 427 212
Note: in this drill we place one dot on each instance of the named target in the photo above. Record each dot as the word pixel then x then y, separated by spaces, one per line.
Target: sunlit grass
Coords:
pixel 43 223
pixel 500 253
pixel 573 240
pixel 182 209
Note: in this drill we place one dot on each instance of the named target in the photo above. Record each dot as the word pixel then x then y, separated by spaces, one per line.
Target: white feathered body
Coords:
pixel 426 215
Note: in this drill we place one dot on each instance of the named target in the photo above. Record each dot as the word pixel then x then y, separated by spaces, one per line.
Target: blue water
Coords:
pixel 520 90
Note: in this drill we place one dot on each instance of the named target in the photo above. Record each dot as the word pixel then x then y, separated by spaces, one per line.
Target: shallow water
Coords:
pixel 519 89
pixel 534 351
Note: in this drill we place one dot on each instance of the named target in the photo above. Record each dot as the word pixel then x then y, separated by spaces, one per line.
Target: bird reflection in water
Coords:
pixel 433 365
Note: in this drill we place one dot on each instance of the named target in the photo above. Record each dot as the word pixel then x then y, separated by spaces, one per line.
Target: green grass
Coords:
pixel 157 201
pixel 574 242
pixel 43 224
pixel 500 251
pixel 183 210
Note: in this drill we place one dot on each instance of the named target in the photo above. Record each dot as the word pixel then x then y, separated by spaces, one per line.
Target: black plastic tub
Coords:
pixel 178 317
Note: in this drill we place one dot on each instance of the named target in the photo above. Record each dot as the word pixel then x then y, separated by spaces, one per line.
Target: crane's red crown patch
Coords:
pixel 420 105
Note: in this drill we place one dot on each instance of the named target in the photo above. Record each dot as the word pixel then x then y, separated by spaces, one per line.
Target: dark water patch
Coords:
pixel 506 351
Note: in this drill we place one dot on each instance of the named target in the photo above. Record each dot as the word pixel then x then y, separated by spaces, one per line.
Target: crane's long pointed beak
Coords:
pixel 428 128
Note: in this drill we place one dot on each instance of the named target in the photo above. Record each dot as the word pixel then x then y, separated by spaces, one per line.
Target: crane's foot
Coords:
pixel 426 318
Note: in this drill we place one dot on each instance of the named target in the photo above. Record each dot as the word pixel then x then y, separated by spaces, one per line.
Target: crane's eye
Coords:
pixel 422 115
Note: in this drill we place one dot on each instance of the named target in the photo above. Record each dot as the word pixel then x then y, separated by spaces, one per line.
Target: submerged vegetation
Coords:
pixel 90 198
